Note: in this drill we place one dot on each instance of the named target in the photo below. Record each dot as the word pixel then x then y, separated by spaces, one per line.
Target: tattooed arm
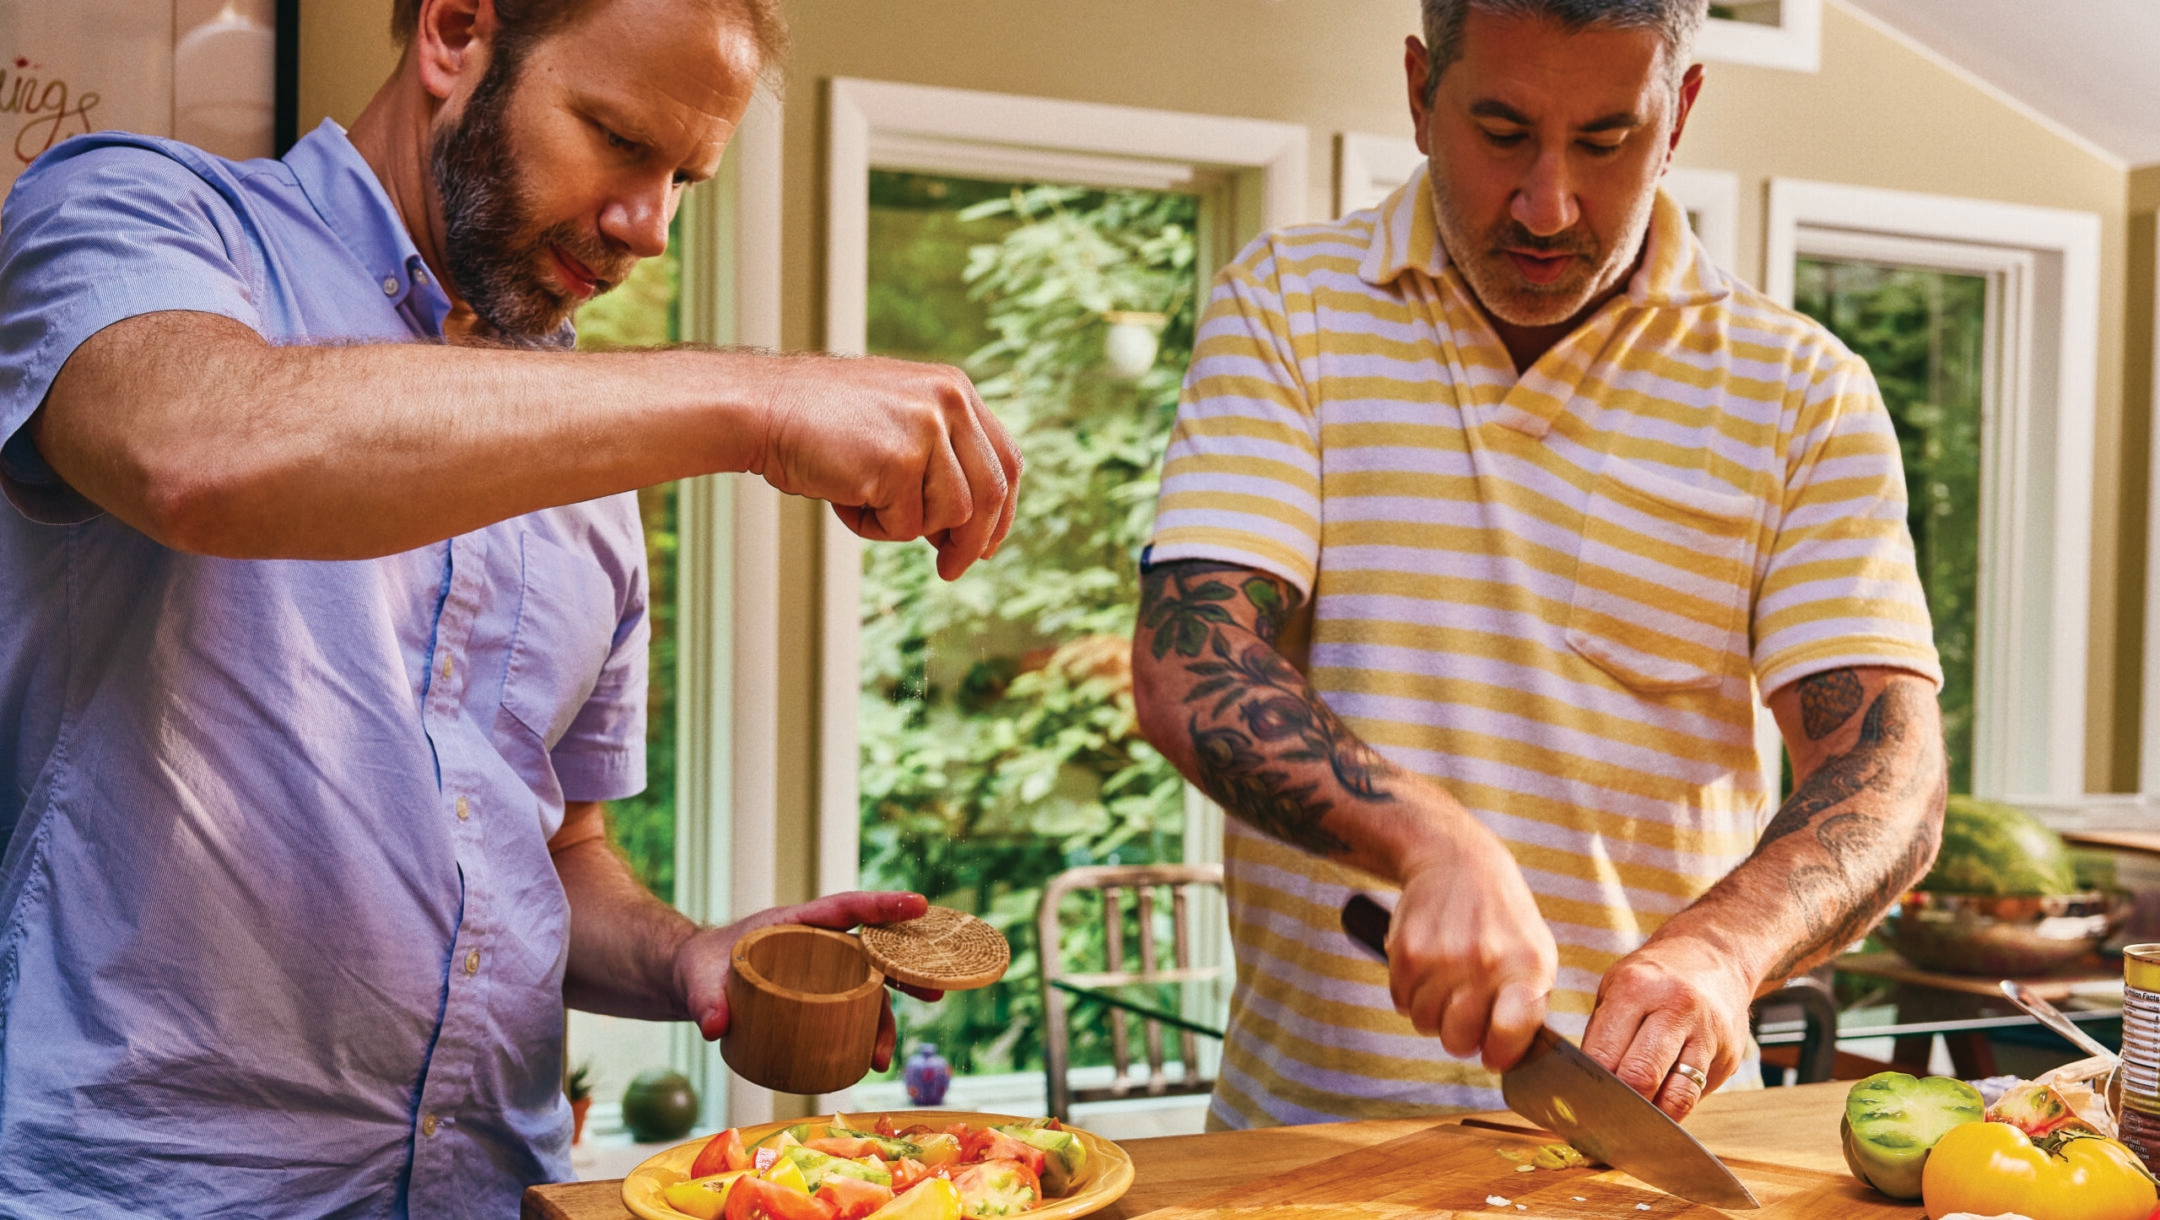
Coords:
pixel 1470 958
pixel 1862 824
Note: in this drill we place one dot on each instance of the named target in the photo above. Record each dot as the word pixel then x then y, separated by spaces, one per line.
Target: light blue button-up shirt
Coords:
pixel 282 936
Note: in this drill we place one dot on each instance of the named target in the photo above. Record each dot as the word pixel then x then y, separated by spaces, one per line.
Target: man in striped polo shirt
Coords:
pixel 1560 499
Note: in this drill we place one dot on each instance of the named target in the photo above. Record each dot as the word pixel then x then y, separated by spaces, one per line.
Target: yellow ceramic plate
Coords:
pixel 1108 1175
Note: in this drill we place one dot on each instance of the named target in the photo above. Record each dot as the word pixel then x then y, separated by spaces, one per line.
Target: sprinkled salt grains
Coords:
pixel 1497 1201
pixel 1526 1169
pixel 1642 1207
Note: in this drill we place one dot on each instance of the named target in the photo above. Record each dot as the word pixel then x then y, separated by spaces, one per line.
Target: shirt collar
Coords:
pixel 1676 271
pixel 346 194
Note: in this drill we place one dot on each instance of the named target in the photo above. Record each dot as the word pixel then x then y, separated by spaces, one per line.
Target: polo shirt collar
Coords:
pixel 345 192
pixel 1676 271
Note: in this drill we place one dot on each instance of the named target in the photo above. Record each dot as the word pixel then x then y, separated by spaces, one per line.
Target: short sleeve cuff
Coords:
pixel 600 775
pixel 1822 656
pixel 1225 546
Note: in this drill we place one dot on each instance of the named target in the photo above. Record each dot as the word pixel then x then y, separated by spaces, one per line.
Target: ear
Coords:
pixel 451 44
pixel 1690 87
pixel 1417 64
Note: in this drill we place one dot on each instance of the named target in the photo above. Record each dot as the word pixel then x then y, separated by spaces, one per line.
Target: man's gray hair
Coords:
pixel 1676 22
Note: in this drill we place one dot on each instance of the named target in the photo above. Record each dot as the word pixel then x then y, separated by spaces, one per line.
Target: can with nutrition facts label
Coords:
pixel 2141 1052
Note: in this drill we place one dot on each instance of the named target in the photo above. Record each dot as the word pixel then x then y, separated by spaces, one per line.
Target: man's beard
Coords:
pixel 490 251
pixel 1499 284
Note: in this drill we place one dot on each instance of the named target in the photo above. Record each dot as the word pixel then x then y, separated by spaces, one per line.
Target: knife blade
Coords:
pixel 1565 1091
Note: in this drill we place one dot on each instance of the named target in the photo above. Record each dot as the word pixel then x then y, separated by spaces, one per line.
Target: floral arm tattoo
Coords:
pixel 1266 748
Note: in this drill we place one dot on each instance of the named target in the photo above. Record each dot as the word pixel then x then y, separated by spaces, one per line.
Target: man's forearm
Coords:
pixel 1245 727
pixel 191 428
pixel 1861 826
pixel 624 942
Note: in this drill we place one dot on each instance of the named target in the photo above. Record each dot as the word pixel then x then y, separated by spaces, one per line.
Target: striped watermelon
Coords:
pixel 1999 851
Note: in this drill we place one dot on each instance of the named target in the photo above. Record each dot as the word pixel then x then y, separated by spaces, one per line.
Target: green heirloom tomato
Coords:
pixel 1064 1156
pixel 1892 1122
pixel 659 1105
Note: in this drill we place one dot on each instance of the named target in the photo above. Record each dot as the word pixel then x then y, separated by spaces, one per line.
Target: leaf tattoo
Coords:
pixel 1254 720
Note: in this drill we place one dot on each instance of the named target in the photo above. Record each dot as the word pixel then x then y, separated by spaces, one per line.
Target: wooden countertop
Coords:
pixel 1797 1127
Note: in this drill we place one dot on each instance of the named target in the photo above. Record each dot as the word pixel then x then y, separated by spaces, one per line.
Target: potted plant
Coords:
pixel 578 1088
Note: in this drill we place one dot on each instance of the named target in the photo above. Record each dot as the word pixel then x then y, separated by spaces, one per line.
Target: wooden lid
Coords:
pixel 942 949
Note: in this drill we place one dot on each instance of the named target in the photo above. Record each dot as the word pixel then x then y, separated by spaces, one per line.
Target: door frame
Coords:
pixel 1258 167
pixel 2037 485
pixel 728 626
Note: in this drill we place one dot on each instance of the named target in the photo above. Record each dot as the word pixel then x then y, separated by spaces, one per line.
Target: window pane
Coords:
pixel 1924 332
pixel 999 745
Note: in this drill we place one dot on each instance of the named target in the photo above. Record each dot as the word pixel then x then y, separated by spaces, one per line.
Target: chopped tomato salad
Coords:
pixel 838 1170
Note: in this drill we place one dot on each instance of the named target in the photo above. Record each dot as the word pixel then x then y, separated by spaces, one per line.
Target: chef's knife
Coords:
pixel 1565 1091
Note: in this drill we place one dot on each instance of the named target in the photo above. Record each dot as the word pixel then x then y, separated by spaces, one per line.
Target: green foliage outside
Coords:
pixel 1923 333
pixel 642 313
pixel 999 743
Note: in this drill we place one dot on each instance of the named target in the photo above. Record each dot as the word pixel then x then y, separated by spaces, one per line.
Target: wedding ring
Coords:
pixel 1702 1082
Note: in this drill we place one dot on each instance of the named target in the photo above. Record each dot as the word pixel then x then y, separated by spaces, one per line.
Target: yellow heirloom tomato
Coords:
pixel 704 1198
pixel 1992 1168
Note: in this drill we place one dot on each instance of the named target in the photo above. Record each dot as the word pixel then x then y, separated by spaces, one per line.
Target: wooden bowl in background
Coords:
pixel 803 1008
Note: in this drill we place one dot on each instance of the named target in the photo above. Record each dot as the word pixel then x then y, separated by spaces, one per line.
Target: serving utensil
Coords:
pixel 2047 1014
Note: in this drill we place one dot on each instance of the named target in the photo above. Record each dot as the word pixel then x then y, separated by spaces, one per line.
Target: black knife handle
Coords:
pixel 1367 923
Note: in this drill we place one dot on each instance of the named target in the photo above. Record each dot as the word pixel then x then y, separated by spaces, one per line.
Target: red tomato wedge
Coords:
pixel 998 1146
pixel 722 1153
pixel 853 1198
pixel 846 1147
pixel 908 1172
pixel 755 1197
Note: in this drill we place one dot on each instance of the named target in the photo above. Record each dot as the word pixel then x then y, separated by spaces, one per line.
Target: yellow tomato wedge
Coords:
pixel 786 1173
pixel 703 1197
pixel 934 1199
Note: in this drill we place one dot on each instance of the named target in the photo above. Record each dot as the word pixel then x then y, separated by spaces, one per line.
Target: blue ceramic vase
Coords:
pixel 927 1075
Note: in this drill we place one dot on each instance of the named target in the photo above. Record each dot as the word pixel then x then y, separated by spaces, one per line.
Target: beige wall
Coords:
pixel 345 55
pixel 1879 114
pixel 2138 406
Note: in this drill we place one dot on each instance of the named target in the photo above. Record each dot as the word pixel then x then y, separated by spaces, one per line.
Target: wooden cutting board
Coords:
pixel 1452 1171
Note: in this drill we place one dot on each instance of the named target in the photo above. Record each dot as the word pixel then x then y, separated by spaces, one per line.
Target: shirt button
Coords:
pixel 427 1125
pixel 446 666
pixel 464 809
pixel 472 963
pixel 389 286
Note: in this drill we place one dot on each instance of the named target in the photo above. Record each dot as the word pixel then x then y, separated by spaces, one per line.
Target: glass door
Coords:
pixel 998 741
pixel 1924 332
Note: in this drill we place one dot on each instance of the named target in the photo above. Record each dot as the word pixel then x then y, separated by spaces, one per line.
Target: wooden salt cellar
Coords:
pixel 803 1008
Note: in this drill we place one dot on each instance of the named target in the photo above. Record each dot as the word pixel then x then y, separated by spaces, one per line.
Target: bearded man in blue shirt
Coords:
pixel 325 612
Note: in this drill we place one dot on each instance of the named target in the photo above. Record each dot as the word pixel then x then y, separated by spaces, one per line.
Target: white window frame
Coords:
pixel 1794 43
pixel 1369 168
pixel 877 124
pixel 728 578
pixel 2036 487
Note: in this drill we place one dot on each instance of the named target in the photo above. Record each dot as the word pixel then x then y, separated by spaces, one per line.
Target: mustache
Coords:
pixel 609 266
pixel 1511 235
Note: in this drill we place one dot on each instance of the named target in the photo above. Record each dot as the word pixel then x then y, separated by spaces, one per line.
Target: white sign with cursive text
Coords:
pixel 200 70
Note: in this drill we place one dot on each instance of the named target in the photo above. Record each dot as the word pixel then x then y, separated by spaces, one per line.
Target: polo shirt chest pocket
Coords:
pixel 565 628
pixel 1663 580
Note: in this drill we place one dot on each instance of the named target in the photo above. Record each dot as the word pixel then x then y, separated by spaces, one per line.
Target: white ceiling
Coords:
pixel 2093 66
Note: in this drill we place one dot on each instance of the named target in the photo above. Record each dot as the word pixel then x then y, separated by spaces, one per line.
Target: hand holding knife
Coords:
pixel 1565 1091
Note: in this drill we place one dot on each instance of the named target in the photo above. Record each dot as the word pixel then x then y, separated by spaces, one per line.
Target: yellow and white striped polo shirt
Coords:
pixel 1554 594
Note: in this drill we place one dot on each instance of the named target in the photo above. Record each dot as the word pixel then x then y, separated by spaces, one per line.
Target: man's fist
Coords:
pixel 900 450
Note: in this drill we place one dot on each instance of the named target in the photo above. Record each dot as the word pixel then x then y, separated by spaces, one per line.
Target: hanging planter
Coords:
pixel 1131 343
